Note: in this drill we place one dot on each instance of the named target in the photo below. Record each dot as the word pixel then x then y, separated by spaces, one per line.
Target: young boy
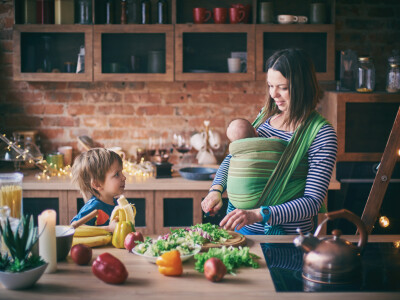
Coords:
pixel 240 129
pixel 98 173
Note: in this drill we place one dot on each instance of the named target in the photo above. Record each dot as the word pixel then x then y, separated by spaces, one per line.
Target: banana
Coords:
pixel 92 241
pixel 87 231
pixel 129 210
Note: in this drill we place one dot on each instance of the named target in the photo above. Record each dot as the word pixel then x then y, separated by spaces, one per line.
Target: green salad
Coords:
pixel 186 240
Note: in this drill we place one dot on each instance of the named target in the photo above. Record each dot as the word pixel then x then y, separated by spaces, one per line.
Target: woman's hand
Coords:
pixel 212 203
pixel 240 217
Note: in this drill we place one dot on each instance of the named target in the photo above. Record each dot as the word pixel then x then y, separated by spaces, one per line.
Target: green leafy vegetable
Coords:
pixel 232 258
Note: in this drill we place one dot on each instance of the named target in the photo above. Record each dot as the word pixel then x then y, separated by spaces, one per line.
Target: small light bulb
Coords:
pixel 396 244
pixel 384 221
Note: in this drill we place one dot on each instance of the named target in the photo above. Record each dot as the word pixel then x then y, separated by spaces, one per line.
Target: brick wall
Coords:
pixel 126 114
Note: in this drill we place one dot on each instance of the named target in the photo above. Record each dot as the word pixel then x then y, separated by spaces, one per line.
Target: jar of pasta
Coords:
pixel 11 193
pixel 365 81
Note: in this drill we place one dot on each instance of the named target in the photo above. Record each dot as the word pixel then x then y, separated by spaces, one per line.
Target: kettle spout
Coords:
pixel 306 242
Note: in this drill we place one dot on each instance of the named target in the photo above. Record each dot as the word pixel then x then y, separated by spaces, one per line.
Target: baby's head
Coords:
pixel 240 129
pixel 92 166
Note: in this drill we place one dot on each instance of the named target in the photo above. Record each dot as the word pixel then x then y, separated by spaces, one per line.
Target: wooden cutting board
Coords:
pixel 236 241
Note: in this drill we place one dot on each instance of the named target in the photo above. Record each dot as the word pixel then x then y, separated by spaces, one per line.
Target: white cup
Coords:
pixel 302 19
pixel 235 65
pixel 67 151
pixel 287 19
pixel 118 150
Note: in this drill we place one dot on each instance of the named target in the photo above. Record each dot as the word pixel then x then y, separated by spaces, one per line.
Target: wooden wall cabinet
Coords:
pixel 362 121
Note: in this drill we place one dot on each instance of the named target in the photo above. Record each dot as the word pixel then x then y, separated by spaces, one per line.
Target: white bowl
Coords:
pixel 21 280
pixel 153 259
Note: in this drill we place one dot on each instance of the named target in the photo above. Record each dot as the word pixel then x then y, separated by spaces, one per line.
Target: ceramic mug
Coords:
pixel 201 15
pixel 235 65
pixel 67 151
pixel 266 13
pixel 302 19
pixel 317 13
pixel 220 15
pixel 287 19
pixel 236 15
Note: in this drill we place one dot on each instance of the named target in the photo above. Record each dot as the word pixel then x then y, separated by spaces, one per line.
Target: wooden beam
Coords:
pixel 383 176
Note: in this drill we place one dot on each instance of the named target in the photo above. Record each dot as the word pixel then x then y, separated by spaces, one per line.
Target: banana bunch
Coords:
pixel 128 209
pixel 91 236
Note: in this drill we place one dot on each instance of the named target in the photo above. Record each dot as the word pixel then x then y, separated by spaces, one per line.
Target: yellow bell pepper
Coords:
pixel 170 263
pixel 121 230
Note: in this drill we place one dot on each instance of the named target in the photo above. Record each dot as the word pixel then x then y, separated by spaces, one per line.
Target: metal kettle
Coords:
pixel 332 260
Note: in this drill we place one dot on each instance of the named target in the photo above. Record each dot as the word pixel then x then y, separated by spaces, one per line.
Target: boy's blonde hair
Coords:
pixel 92 166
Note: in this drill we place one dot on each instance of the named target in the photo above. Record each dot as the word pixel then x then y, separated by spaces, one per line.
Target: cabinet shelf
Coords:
pixel 64 47
pixel 189 51
pixel 115 45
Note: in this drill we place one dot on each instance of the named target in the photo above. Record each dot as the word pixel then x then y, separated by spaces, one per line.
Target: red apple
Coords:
pixel 214 269
pixel 81 254
pixel 131 238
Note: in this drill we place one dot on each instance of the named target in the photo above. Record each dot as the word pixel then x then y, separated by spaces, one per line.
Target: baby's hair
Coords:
pixel 92 166
pixel 244 129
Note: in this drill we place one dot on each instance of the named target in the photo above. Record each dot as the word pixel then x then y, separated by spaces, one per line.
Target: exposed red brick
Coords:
pixel 94 121
pixel 52 133
pixel 60 121
pixel 103 97
pixel 176 98
pixel 63 96
pixel 76 109
pixel 164 86
pixel 126 122
pixel 154 110
pixel 143 98
pixel 196 85
pixel 107 134
pixel 212 98
pixel 108 109
pixel 43 109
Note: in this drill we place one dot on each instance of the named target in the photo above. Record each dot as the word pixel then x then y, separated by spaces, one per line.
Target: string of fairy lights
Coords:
pixel 134 171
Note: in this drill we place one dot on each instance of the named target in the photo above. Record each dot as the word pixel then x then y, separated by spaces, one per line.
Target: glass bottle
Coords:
pixel 162 12
pixel 133 11
pixel 365 82
pixel 47 64
pixel 123 12
pixel 393 74
pixel 45 11
pixel 145 11
pixel 84 12
pixel 109 12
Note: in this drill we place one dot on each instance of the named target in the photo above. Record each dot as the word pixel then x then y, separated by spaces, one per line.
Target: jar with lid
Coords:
pixel 145 11
pixel 365 81
pixel 84 12
pixel 162 12
pixel 393 74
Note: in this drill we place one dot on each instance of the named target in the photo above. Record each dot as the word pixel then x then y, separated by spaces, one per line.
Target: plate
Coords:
pixel 198 173
pixel 153 259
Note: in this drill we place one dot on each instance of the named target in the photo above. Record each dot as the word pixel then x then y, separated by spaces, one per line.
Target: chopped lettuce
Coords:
pixel 232 258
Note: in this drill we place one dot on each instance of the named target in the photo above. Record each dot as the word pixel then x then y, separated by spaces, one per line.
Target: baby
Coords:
pixel 98 173
pixel 240 129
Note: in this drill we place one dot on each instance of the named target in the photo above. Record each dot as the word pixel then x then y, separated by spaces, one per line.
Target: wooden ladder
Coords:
pixel 383 176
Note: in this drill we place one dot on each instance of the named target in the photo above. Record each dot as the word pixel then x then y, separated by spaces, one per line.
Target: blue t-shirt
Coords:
pixel 104 209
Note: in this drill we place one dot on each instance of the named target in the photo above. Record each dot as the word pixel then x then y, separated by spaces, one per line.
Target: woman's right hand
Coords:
pixel 212 203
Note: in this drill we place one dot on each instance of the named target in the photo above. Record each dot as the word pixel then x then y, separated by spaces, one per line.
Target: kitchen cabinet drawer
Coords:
pixel 33 62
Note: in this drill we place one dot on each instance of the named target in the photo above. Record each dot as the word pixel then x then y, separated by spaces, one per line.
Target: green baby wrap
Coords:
pixel 271 171
pixel 252 164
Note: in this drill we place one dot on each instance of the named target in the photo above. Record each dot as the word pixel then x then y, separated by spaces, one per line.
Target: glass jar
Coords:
pixel 365 81
pixel 46 64
pixel 84 12
pixel 133 11
pixel 162 12
pixel 109 12
pixel 393 74
pixel 145 11
pixel 123 12
pixel 11 193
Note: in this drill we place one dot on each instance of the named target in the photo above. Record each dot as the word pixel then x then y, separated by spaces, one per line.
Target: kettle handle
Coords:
pixel 346 214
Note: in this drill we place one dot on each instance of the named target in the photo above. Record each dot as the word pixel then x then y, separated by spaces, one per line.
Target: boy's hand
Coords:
pixel 112 224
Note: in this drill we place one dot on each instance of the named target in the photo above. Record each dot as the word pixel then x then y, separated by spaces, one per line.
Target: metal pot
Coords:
pixel 333 260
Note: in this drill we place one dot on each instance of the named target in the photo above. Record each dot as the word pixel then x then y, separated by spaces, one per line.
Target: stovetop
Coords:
pixel 380 271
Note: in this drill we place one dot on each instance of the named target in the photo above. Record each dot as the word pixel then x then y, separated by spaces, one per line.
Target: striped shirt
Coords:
pixel 297 213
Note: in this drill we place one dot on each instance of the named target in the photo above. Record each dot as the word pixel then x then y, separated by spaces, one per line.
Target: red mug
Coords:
pixel 236 15
pixel 220 15
pixel 201 15
pixel 247 10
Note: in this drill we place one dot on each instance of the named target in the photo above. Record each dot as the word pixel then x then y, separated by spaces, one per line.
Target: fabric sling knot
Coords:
pixel 271 171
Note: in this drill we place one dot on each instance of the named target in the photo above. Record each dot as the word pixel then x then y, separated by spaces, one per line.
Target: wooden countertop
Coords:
pixel 144 282
pixel 174 183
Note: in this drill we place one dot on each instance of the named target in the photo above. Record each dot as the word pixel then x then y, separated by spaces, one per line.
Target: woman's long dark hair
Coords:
pixel 297 67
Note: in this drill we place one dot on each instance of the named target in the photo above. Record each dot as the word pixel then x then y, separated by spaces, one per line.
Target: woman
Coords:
pixel 293 94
